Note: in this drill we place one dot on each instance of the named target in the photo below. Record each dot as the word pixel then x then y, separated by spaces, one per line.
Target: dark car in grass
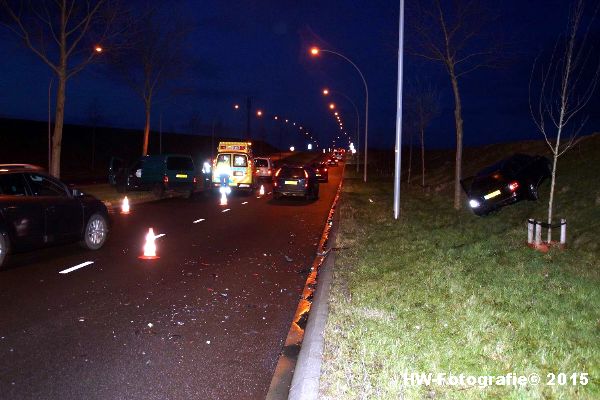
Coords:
pixel 321 171
pixel 295 181
pixel 38 210
pixel 508 181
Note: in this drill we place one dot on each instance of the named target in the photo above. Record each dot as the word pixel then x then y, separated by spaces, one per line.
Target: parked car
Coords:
pixel 332 161
pixel 321 171
pixel 38 210
pixel 508 181
pixel 263 167
pixel 295 181
pixel 158 173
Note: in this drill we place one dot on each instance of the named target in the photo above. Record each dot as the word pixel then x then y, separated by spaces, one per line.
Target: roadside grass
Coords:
pixel 442 291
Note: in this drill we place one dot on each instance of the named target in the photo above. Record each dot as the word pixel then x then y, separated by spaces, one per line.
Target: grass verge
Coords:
pixel 442 291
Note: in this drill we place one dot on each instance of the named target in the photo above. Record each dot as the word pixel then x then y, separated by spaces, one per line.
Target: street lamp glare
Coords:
pixel 332 106
pixel 259 113
pixel 335 113
pixel 236 106
pixel 314 51
pixel 325 92
pixel 98 49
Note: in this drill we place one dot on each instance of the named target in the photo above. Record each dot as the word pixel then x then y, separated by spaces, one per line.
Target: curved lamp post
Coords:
pixel 315 52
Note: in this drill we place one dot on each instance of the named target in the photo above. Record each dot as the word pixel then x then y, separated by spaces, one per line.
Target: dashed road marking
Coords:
pixel 85 264
pixel 198 220
pixel 225 210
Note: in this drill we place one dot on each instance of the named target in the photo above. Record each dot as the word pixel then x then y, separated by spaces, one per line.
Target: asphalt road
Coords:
pixel 207 320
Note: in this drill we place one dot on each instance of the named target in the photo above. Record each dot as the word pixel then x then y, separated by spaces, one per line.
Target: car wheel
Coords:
pixel 96 232
pixel 158 190
pixel 4 246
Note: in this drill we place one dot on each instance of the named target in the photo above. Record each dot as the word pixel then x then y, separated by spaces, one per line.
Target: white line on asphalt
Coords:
pixel 198 220
pixel 159 235
pixel 245 202
pixel 258 197
pixel 227 209
pixel 85 264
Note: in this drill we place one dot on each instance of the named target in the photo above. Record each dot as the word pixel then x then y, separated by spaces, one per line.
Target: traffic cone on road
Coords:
pixel 262 190
pixel 223 198
pixel 125 206
pixel 149 247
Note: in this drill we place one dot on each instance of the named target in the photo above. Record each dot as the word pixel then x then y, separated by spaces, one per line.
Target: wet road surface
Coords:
pixel 206 320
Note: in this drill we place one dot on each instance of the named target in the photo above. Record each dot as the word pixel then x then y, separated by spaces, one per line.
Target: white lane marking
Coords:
pixel 258 197
pixel 269 193
pixel 227 209
pixel 159 235
pixel 245 202
pixel 85 264
pixel 198 220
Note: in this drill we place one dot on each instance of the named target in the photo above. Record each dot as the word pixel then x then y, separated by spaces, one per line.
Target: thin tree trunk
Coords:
pixel 422 156
pixel 551 200
pixel 146 130
pixel 59 117
pixel 459 141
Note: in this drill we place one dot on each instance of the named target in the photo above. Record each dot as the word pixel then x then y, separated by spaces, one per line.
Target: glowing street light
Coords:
pixel 331 106
pixel 236 106
pixel 259 113
pixel 98 49
pixel 325 92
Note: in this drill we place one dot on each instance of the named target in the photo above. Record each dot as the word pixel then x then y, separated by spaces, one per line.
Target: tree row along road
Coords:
pixel 205 320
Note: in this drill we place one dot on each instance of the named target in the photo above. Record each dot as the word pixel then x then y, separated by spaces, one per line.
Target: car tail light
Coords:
pixel 195 180
pixel 278 171
pixel 269 171
pixel 306 174
pixel 325 170
pixel 513 186
pixel 275 183
pixel 165 179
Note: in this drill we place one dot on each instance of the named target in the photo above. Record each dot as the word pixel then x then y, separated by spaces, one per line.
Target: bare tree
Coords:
pixel 155 58
pixel 453 33
pixel 426 103
pixel 66 35
pixel 566 85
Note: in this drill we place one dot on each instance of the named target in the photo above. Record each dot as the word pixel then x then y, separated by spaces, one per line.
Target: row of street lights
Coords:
pixel 315 51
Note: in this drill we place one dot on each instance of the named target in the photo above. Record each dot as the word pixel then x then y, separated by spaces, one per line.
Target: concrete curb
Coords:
pixel 305 383
pixel 309 340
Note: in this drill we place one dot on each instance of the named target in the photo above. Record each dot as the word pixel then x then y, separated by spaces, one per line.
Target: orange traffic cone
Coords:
pixel 149 247
pixel 125 206
pixel 223 198
pixel 262 190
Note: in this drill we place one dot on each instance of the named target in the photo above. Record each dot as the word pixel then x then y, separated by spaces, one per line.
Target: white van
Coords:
pixel 263 167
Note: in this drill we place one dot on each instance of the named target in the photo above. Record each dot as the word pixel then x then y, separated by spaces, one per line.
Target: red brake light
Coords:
pixel 270 171
pixel 165 179
pixel 195 180
pixel 325 170
pixel 513 186
pixel 306 174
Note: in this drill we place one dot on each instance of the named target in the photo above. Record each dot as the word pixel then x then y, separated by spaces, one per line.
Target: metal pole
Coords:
pixel 248 111
pixel 212 141
pixel 160 133
pixel 397 169
pixel 50 124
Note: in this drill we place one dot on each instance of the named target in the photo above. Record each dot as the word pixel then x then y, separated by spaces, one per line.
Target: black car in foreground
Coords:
pixel 508 181
pixel 38 210
pixel 295 181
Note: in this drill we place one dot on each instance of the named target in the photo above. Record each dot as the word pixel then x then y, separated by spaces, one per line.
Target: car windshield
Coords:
pixel 180 163
pixel 294 173
pixel 261 162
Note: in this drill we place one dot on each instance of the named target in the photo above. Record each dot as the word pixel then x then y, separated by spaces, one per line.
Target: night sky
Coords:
pixel 260 49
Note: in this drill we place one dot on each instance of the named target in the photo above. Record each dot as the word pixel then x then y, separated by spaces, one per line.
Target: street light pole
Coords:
pixel 316 51
pixel 50 124
pixel 398 155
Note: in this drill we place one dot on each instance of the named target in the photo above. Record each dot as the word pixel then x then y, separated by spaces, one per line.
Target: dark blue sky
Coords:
pixel 259 49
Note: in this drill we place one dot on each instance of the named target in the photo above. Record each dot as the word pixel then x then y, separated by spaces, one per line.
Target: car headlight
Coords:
pixel 474 203
pixel 206 168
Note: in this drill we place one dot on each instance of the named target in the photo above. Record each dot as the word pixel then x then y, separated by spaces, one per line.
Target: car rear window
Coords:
pixel 180 163
pixel 12 185
pixel 240 160
pixel 294 173
pixel 261 162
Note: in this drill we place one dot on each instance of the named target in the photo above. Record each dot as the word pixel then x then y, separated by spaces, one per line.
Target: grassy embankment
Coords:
pixel 446 291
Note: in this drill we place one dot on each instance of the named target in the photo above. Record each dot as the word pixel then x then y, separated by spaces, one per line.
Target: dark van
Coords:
pixel 158 173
